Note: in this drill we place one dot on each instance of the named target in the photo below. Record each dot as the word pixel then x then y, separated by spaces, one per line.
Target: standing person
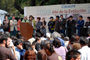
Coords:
pixel 13 26
pixel 18 26
pixel 32 23
pixel 87 24
pixel 80 24
pixel 57 29
pixel 62 23
pixel 6 24
pixel 51 25
pixel 43 26
pixel 38 25
pixel 71 29
pixel 25 19
pixel 85 50
pixel 52 55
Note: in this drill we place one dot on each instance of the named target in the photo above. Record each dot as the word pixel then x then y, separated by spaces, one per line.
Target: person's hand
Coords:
pixel 11 24
pixel 13 48
pixel 77 24
pixel 59 20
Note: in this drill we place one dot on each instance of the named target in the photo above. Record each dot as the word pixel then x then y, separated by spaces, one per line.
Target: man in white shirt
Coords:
pixel 85 50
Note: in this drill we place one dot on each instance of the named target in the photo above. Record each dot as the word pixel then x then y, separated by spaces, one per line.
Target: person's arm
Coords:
pixel 82 23
pixel 11 56
pixel 14 52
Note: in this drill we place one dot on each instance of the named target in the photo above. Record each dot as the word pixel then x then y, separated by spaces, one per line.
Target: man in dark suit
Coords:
pixel 87 24
pixel 80 24
pixel 62 23
pixel 71 26
pixel 57 29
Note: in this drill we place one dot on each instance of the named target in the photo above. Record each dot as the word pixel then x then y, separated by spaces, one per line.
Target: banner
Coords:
pixel 57 9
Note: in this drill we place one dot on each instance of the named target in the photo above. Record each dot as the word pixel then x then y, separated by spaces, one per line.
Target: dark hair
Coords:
pixel 56 43
pixel 72 54
pixel 38 34
pixel 18 35
pixel 18 41
pixel 3 37
pixel 73 39
pixel 30 16
pixel 37 39
pixel 5 16
pixel 61 15
pixel 70 16
pixel 51 17
pixel 57 17
pixel 88 18
pixel 81 16
pixel 7 34
pixel 49 46
pixel 30 54
pixel 42 33
pixel 84 41
pixel 39 18
pixel 27 45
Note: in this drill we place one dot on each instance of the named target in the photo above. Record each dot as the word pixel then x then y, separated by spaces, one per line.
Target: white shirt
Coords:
pixel 85 53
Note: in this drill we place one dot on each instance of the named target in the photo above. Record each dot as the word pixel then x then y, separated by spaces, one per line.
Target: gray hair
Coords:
pixel 56 34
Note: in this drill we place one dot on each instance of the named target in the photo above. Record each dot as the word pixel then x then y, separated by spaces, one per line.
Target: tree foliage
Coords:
pixel 17 6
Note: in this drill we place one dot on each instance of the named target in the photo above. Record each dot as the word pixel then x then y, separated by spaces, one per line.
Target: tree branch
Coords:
pixel 43 1
pixel 18 7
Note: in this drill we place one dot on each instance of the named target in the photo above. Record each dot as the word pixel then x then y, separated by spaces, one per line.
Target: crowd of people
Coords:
pixel 52 45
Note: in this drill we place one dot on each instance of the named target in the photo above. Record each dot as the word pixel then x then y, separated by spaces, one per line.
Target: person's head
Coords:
pixel 71 17
pixel 33 45
pixel 13 17
pixel 30 55
pixel 56 43
pixel 27 45
pixel 83 41
pixel 19 19
pixel 51 18
pixel 61 16
pixel 42 33
pixel 38 18
pixel 76 46
pixel 6 17
pixel 38 35
pixel 66 38
pixel 43 19
pixel 5 40
pixel 73 55
pixel 25 18
pixel 38 40
pixel 73 39
pixel 49 48
pixel 19 44
pixel 80 17
pixel 88 18
pixel 57 17
pixel 7 34
pixel 18 35
pixel 31 17
pixel 56 34
pixel 62 36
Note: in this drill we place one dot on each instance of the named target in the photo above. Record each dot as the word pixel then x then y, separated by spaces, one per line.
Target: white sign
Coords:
pixel 57 9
